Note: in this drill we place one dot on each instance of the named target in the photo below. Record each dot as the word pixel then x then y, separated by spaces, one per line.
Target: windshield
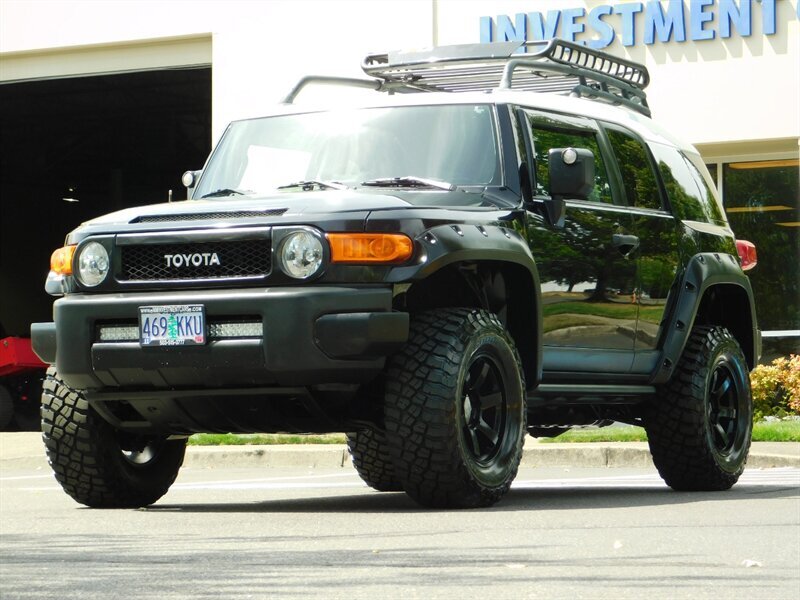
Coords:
pixel 454 144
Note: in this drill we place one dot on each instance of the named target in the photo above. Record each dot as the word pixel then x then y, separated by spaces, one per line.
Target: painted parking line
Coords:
pixel 783 477
pixel 787 476
pixel 265 483
pixel 21 477
pixel 275 483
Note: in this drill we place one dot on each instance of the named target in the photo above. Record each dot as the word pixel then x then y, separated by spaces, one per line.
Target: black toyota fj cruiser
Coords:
pixel 435 273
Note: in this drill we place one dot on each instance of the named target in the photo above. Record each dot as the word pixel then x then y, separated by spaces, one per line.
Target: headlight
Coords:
pixel 301 255
pixel 92 264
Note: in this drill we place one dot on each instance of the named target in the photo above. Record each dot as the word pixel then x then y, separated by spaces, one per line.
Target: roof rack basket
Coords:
pixel 554 66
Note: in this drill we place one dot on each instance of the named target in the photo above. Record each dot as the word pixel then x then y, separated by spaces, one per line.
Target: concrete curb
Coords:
pixel 325 456
pixel 26 451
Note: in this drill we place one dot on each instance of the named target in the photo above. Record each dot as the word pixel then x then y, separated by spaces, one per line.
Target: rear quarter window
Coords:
pixel 641 187
pixel 708 194
pixel 689 195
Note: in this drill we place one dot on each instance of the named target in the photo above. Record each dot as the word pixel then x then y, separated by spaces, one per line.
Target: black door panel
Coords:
pixel 657 235
pixel 587 267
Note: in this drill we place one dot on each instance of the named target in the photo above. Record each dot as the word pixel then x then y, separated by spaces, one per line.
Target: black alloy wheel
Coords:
pixel 723 407
pixel 485 409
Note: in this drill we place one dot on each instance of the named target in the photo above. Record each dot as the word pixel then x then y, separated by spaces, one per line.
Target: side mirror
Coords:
pixel 555 209
pixel 571 173
pixel 190 179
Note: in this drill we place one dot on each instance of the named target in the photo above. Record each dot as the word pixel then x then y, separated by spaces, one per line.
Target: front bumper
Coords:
pixel 311 335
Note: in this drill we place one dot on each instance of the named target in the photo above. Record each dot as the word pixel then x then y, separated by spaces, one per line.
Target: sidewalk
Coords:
pixel 26 451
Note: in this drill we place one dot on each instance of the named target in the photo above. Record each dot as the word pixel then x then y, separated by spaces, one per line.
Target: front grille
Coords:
pixel 198 260
pixel 240 214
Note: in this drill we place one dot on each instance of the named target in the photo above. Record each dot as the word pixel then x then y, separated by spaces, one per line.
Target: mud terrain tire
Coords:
pixel 699 429
pixel 97 465
pixel 455 409
pixel 371 460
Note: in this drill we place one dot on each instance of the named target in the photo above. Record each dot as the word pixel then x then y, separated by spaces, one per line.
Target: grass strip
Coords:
pixel 263 439
pixel 779 431
pixel 603 434
pixel 774 431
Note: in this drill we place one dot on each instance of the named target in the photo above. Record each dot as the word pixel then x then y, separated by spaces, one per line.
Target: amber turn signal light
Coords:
pixel 370 247
pixel 61 260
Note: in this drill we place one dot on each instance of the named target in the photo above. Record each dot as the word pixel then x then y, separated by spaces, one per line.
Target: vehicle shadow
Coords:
pixel 539 499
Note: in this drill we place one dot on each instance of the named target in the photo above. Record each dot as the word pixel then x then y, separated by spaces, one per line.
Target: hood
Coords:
pixel 340 209
pixel 287 204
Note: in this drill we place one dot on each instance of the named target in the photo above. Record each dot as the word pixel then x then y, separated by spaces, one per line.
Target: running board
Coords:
pixel 566 394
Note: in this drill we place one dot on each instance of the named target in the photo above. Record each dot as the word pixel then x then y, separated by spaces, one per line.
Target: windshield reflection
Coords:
pixel 455 144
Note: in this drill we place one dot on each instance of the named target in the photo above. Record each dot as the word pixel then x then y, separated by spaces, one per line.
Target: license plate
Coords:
pixel 179 325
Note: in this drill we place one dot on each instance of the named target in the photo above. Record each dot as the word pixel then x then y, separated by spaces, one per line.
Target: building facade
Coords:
pixel 725 76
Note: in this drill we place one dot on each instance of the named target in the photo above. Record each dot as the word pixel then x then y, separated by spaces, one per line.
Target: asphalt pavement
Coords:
pixel 560 532
pixel 26 451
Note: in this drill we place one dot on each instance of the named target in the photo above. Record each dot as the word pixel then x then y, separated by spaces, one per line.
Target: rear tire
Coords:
pixel 372 461
pixel 455 409
pixel 97 465
pixel 699 430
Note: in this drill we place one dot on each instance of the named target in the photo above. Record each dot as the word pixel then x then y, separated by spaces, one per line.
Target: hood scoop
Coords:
pixel 204 216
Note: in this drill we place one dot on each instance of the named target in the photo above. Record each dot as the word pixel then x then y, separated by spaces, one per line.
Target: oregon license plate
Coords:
pixel 179 325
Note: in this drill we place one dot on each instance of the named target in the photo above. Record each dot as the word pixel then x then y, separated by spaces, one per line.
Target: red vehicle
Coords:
pixel 21 374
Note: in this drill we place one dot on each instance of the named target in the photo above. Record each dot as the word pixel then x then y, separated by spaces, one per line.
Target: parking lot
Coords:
pixel 300 532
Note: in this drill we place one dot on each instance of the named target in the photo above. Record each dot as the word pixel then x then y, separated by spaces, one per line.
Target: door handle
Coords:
pixel 625 243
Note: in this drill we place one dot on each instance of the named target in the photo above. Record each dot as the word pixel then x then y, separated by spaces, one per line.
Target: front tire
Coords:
pixel 699 430
pixel 455 409
pixel 94 463
pixel 371 460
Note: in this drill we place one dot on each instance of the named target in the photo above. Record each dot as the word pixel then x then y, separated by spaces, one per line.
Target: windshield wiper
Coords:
pixel 225 192
pixel 410 181
pixel 308 185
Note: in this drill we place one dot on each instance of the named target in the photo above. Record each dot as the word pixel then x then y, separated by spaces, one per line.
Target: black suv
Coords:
pixel 435 273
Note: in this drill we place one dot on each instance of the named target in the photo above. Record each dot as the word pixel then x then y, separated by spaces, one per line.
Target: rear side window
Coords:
pixel 553 135
pixel 688 201
pixel 641 187
pixel 711 203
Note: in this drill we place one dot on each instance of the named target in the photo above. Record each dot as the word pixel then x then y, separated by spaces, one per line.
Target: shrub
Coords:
pixel 776 388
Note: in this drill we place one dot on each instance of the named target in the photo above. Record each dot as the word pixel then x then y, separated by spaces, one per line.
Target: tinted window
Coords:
pixel 546 137
pixel 711 204
pixel 680 184
pixel 637 171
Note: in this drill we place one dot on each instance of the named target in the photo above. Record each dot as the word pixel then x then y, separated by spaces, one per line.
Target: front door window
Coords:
pixel 587 281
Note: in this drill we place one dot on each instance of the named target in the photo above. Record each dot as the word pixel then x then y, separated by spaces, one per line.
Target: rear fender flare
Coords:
pixel 703 272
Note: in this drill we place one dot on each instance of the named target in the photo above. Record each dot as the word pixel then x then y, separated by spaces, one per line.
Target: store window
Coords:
pixel 762 201
pixel 714 172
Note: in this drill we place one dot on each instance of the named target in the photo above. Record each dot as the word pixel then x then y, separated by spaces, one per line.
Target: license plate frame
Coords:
pixel 172 325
